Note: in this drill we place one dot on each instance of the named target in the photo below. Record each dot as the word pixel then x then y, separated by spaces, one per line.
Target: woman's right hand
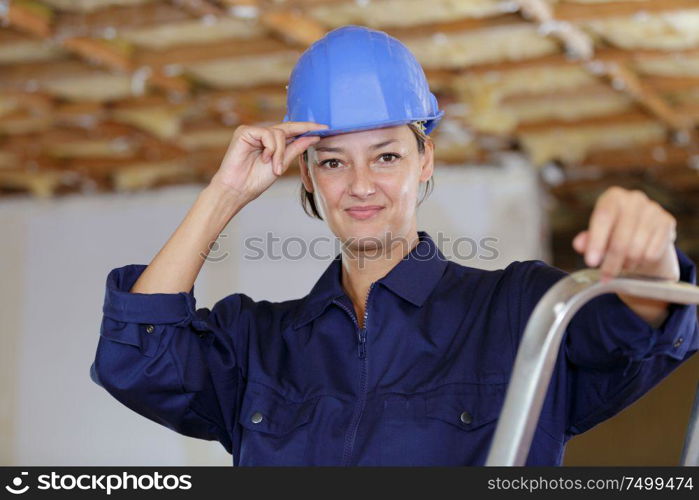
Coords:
pixel 257 156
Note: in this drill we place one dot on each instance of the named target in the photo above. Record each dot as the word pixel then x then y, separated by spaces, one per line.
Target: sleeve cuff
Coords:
pixel 679 332
pixel 154 308
pixel 627 337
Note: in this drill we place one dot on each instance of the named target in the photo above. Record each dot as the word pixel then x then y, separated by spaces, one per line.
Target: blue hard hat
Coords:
pixel 356 78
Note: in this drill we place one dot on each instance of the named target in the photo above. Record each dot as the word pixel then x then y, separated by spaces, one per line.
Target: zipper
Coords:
pixel 361 352
pixel 362 332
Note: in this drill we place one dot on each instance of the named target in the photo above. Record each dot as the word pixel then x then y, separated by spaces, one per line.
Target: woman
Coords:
pixel 397 356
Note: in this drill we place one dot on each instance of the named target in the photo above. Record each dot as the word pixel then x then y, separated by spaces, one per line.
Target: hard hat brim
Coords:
pixel 430 125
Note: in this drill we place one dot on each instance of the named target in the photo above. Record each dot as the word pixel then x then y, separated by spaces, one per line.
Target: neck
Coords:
pixel 362 268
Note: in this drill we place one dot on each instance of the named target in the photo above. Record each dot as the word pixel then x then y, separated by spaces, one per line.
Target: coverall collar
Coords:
pixel 412 279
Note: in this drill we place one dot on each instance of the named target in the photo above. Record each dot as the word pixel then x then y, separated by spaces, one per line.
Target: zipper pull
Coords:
pixel 362 344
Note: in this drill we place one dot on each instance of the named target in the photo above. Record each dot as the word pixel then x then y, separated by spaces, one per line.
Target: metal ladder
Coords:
pixel 539 349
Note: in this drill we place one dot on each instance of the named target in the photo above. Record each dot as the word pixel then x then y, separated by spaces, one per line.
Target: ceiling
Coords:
pixel 132 94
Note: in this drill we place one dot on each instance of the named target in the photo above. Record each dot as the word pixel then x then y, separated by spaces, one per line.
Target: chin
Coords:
pixel 365 237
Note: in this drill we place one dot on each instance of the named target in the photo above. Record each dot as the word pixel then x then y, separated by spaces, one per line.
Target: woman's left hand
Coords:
pixel 629 232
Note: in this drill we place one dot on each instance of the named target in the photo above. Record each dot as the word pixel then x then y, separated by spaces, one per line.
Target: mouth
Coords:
pixel 363 213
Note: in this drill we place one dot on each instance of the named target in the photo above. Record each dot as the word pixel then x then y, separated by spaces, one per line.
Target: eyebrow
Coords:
pixel 340 150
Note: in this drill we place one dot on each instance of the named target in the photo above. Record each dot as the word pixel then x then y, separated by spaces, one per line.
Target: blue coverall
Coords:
pixel 299 383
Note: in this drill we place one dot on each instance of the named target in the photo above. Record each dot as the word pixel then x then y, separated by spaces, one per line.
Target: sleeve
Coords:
pixel 610 356
pixel 167 360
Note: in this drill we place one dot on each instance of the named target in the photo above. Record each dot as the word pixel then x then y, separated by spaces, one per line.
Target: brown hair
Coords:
pixel 309 204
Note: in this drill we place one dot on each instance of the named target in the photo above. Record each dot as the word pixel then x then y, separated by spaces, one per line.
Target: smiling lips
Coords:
pixel 362 213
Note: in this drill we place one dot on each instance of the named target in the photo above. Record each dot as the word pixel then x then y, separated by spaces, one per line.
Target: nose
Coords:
pixel 361 182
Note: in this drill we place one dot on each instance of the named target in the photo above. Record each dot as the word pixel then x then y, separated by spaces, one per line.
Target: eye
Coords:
pixel 389 157
pixel 331 163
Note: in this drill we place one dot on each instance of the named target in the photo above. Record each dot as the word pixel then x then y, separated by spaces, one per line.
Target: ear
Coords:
pixel 427 161
pixel 305 176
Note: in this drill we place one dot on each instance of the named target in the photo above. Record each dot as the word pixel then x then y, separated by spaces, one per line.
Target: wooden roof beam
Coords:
pixel 200 7
pixel 671 83
pixel 628 118
pixel 110 20
pixel 30 17
pixel 293 26
pixel 206 52
pixel 648 156
pixel 576 12
pixel 601 54
pixel 622 78
pixel 465 24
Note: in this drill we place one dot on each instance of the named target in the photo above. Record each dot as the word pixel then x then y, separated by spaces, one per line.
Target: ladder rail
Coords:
pixel 539 347
pixel 690 451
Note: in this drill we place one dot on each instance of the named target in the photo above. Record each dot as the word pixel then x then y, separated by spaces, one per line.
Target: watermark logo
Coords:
pixel 270 246
pixel 16 488
pixel 107 483
pixel 215 253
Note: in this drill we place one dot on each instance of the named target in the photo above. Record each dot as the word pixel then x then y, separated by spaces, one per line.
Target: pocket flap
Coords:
pixel 273 415
pixel 145 337
pixel 466 411
pixel 124 333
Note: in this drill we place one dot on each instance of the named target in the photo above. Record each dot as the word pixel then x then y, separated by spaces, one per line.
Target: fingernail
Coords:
pixel 592 258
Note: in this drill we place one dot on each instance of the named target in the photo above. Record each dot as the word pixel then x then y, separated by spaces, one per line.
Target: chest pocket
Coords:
pixel 275 431
pixel 464 411
pixel 441 428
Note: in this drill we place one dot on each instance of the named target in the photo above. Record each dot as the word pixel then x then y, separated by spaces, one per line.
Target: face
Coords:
pixel 366 184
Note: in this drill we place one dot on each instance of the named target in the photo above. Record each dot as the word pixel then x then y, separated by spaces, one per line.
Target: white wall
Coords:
pixel 55 256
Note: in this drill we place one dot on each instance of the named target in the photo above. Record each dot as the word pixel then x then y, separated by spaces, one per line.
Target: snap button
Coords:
pixel 149 329
pixel 678 342
pixel 256 418
pixel 466 417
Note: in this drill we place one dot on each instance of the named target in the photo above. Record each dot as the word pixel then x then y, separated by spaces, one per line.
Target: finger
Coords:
pixel 268 147
pixel 601 223
pixel 660 240
pixel 291 129
pixel 580 241
pixel 649 219
pixel 626 226
pixel 297 147
pixel 261 138
pixel 280 141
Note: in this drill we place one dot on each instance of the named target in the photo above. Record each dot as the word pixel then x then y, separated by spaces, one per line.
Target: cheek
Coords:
pixel 403 189
pixel 329 189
